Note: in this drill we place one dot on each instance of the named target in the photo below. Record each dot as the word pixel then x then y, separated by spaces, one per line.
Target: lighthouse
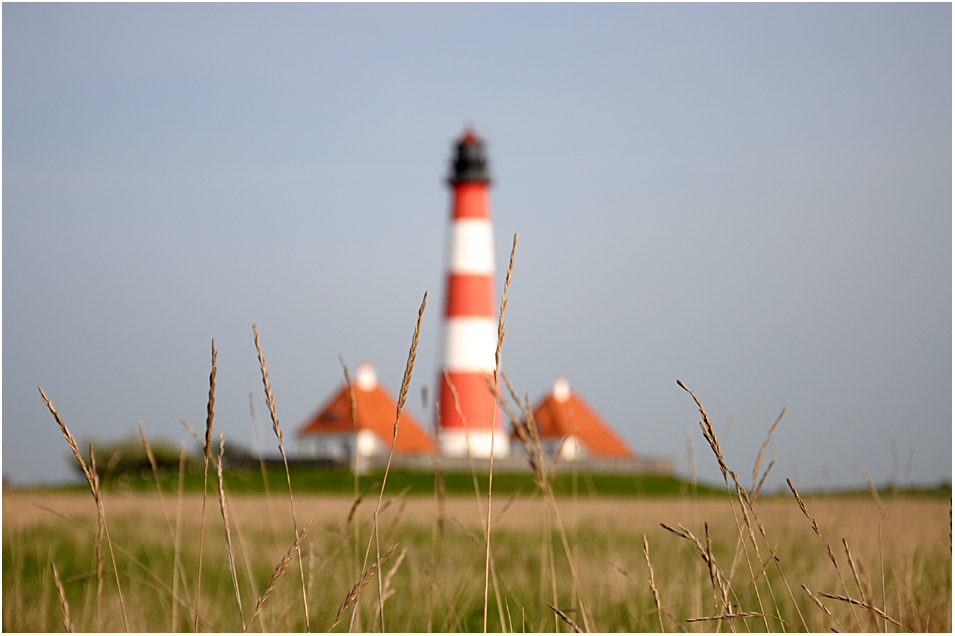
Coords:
pixel 469 417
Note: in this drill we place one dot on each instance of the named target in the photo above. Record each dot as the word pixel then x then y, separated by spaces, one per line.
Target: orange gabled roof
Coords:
pixel 564 413
pixel 375 411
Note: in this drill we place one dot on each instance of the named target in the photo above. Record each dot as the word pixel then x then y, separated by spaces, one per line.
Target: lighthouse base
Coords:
pixel 458 442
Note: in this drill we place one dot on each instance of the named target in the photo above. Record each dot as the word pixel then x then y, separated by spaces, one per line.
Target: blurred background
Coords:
pixel 753 199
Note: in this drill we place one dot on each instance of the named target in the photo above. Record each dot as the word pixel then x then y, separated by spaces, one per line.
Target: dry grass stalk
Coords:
pixel 875 494
pixel 177 567
pixel 526 429
pixel 718 579
pixel 508 504
pixel 818 603
pixel 99 541
pixel 653 585
pixel 439 490
pixel 762 531
pixel 490 476
pixel 500 323
pixel 176 546
pixel 882 560
pixel 690 460
pixel 745 504
pixel 868 606
pixel 262 469
pixel 470 534
pixel 438 528
pixel 388 591
pixel 565 618
pixel 90 472
pixel 356 590
pixel 717 585
pixel 722 617
pixel 101 521
pixel 815 527
pixel 744 499
pixel 393 500
pixel 358 500
pixel 64 606
pixel 765 566
pixel 759 487
pixel 225 521
pixel 277 574
pixel 248 568
pixel 205 482
pixel 708 431
pixel 467 437
pixel 864 590
pixel 191 430
pixel 402 396
pixel 485 523
pixel 527 432
pixel 270 402
pixel 68 436
pixel 394 522
pixel 354 460
pixel 759 457
pixel 152 463
pixel 619 568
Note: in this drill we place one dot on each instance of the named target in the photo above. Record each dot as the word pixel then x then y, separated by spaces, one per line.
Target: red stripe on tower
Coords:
pixel 469 418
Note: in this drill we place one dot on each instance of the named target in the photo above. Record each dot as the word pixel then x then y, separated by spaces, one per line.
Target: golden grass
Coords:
pixel 101 530
pixel 914 534
pixel 205 472
pixel 270 402
pixel 490 474
pixel 402 396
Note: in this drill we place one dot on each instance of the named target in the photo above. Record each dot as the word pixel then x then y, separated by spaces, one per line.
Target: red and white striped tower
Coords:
pixel 470 329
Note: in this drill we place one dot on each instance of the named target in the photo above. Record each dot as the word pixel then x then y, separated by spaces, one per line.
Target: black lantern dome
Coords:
pixel 469 164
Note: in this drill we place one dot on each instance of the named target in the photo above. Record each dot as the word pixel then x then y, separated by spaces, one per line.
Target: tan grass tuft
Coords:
pixel 277 574
pixel 875 494
pixel 356 590
pixel 723 617
pixel 759 457
pixel 64 606
pixel 653 586
pixel 68 436
pixel 490 476
pixel 402 395
pixel 864 589
pixel 270 402
pixel 868 606
pixel 565 618
pixel 90 472
pixel 759 486
pixel 225 521
pixel 205 479
pixel 815 526
pixel 708 431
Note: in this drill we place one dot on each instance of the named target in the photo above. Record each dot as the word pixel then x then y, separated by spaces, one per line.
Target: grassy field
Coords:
pixel 434 580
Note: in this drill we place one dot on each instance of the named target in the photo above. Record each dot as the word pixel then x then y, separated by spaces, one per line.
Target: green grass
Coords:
pixel 305 480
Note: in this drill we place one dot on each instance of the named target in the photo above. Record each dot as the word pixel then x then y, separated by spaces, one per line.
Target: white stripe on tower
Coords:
pixel 471 342
pixel 472 247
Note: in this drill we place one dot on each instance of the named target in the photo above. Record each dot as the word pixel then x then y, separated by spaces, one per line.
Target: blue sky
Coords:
pixel 755 199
